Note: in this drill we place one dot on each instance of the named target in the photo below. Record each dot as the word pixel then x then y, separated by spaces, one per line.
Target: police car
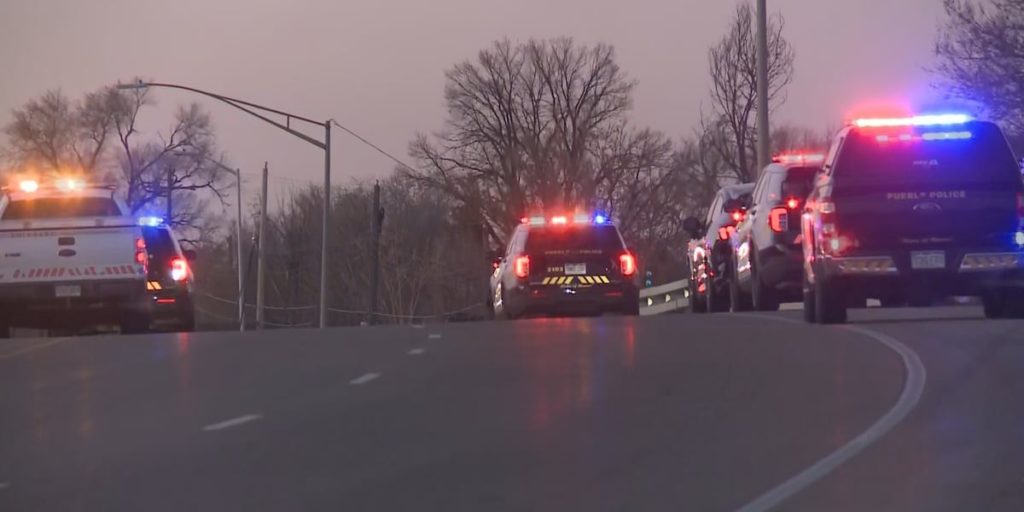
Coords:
pixel 169 281
pixel 913 209
pixel 709 252
pixel 766 247
pixel 563 264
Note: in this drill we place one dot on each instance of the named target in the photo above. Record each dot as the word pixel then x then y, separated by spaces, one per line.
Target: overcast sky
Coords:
pixel 377 65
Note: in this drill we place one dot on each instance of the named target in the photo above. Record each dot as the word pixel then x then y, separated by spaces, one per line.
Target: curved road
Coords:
pixel 678 412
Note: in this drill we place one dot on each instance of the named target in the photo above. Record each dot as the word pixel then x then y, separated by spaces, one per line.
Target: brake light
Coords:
pixel 522 266
pixel 627 263
pixel 836 244
pixel 737 216
pixel 141 256
pixel 778 219
pixel 179 269
pixel 28 185
pixel 725 233
pixel 792 203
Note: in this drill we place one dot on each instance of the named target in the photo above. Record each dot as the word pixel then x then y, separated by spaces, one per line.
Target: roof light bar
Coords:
pixel 28 185
pixel 924 120
pixel 560 219
pixel 799 158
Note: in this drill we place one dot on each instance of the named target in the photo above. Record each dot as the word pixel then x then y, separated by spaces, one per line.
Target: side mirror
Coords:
pixel 693 226
pixel 189 254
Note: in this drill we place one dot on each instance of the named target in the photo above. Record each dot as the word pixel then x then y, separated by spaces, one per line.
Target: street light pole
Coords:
pixel 763 134
pixel 251 108
pixel 326 223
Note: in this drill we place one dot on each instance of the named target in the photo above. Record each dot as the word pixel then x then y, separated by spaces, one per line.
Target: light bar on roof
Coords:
pixel 923 120
pixel 150 221
pixel 799 158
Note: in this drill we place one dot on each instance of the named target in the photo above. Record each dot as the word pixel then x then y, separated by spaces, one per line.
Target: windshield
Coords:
pixel 61 208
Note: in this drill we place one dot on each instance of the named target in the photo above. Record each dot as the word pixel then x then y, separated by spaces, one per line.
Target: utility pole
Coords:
pixel 377 221
pixel 261 243
pixel 763 133
pixel 241 271
pixel 327 216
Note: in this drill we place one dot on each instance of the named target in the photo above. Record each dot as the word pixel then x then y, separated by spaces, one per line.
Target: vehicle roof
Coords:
pixel 734 191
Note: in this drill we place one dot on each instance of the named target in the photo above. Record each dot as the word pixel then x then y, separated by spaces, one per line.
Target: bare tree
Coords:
pixel 53 134
pixel 981 56
pixel 523 123
pixel 732 64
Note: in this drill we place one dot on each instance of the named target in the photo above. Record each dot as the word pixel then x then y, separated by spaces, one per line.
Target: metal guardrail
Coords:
pixel 665 298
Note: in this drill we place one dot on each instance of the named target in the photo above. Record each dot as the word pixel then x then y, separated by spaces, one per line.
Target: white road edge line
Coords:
pixel 416 351
pixel 434 336
pixel 913 387
pixel 234 422
pixel 363 379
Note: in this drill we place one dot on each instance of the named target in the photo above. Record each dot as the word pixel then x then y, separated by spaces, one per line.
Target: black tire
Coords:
pixel 1003 303
pixel 810 315
pixel 717 301
pixel 698 301
pixel 829 303
pixel 135 324
pixel 762 298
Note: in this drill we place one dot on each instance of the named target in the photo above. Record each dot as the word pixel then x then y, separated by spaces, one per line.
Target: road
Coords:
pixel 675 412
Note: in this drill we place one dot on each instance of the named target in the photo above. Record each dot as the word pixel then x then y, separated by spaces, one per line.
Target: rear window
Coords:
pixel 573 238
pixel 798 182
pixel 161 247
pixel 985 157
pixel 61 208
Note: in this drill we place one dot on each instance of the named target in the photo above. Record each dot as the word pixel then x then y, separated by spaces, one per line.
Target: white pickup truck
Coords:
pixel 70 256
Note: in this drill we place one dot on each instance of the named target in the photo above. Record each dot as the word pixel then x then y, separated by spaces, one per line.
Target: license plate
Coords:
pixel 575 269
pixel 68 290
pixel 927 260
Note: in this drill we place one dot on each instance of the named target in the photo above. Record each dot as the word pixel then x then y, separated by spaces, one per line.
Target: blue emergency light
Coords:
pixel 150 221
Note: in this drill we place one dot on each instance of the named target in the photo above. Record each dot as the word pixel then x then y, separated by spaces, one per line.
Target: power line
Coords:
pixel 374 146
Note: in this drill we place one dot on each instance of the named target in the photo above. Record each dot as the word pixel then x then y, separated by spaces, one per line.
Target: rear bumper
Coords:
pixel 967 272
pixel 598 298
pixel 171 306
pixel 36 304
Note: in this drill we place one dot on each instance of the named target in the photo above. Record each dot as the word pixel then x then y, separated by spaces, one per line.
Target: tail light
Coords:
pixel 737 216
pixel 522 266
pixel 778 219
pixel 141 256
pixel 792 203
pixel 627 263
pixel 179 269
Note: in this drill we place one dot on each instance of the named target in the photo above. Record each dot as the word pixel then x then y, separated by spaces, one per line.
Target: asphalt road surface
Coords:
pixel 911 409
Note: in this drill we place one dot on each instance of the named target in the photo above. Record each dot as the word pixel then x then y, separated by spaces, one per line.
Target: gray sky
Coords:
pixel 377 66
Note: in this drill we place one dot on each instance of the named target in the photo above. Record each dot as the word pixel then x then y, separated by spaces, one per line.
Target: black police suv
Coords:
pixel 170 281
pixel 563 265
pixel 709 252
pixel 767 255
pixel 914 209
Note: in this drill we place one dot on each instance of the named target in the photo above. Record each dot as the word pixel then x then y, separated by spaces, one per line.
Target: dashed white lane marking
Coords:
pixel 416 351
pixel 234 422
pixel 913 387
pixel 434 336
pixel 363 379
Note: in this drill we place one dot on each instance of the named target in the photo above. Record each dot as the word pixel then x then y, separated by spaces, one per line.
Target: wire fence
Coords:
pixel 222 313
